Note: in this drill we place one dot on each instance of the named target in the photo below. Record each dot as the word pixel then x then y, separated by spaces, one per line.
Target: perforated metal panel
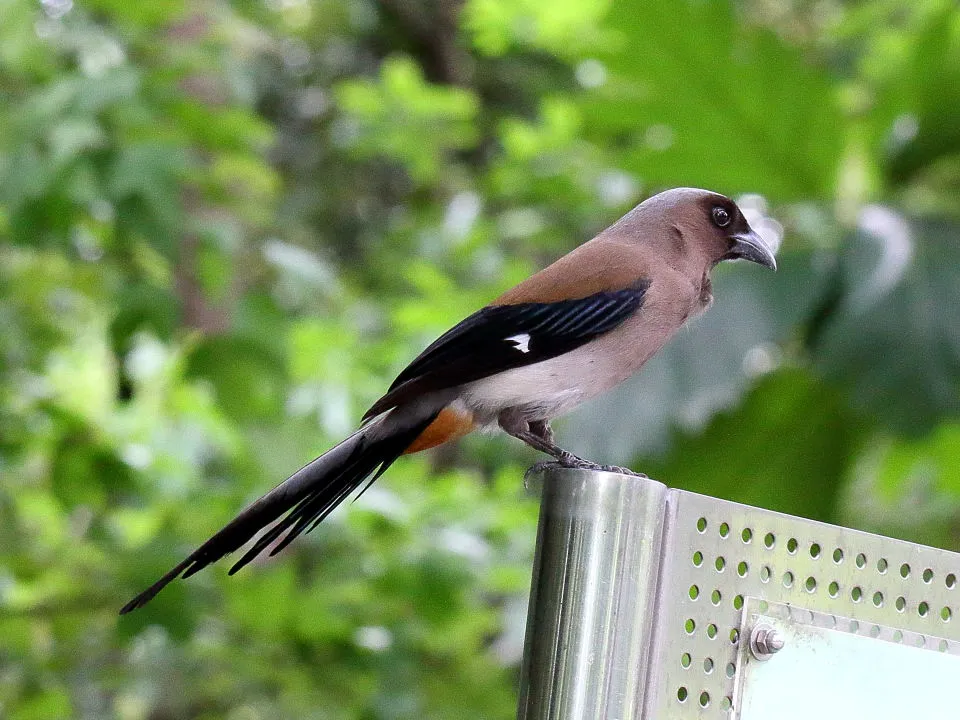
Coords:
pixel 642 596
pixel 717 554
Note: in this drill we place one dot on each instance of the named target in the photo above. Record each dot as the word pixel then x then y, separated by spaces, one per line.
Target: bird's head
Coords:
pixel 702 227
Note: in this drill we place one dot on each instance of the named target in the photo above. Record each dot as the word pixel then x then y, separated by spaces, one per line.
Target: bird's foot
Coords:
pixel 538 468
pixel 569 460
pixel 613 469
pixel 564 460
pixel 587 465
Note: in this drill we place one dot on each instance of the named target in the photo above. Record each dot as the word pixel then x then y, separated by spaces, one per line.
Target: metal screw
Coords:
pixel 765 642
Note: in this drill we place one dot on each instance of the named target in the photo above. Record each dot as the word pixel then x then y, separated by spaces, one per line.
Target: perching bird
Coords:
pixel 573 330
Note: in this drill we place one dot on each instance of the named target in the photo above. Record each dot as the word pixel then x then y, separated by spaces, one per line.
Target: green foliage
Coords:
pixel 703 98
pixel 387 113
pixel 224 226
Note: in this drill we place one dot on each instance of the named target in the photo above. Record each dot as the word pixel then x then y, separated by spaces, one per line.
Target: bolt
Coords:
pixel 765 642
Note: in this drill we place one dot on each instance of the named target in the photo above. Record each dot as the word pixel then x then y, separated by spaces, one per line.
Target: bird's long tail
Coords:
pixel 307 496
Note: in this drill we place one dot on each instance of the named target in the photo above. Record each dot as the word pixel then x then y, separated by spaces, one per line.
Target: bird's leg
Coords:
pixel 542 429
pixel 539 435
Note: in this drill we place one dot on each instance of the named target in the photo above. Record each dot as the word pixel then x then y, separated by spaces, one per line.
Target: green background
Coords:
pixel 224 227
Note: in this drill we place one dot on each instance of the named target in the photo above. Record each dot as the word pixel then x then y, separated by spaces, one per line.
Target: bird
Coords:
pixel 571 331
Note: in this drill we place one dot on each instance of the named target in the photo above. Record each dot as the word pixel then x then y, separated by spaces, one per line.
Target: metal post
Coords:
pixel 592 599
pixel 650 603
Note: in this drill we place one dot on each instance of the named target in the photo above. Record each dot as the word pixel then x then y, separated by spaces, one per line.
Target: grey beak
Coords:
pixel 750 246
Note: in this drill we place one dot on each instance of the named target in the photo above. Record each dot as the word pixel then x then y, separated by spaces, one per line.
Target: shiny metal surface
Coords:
pixel 824 670
pixel 718 555
pixel 591 603
pixel 641 595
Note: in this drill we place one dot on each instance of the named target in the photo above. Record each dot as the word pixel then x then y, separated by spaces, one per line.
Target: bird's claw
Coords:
pixel 538 468
pixel 569 460
pixel 619 470
pixel 597 467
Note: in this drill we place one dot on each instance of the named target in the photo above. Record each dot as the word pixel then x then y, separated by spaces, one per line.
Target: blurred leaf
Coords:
pixel 904 365
pixel 785 448
pixel 908 488
pixel 913 66
pixel 247 376
pixel 48 703
pixel 387 112
pixel 695 98
pixel 563 27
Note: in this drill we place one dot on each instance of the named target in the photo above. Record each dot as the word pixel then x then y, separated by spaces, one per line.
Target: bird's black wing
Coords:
pixel 503 337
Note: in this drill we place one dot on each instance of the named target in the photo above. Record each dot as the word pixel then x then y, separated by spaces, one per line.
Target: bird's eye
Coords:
pixel 721 218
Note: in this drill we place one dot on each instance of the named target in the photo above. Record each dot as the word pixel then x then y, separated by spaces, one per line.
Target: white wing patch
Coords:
pixel 522 342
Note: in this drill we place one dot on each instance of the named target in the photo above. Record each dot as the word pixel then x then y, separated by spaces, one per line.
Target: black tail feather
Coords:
pixel 307 497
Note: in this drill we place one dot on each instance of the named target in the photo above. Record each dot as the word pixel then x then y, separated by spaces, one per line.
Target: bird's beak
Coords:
pixel 750 246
